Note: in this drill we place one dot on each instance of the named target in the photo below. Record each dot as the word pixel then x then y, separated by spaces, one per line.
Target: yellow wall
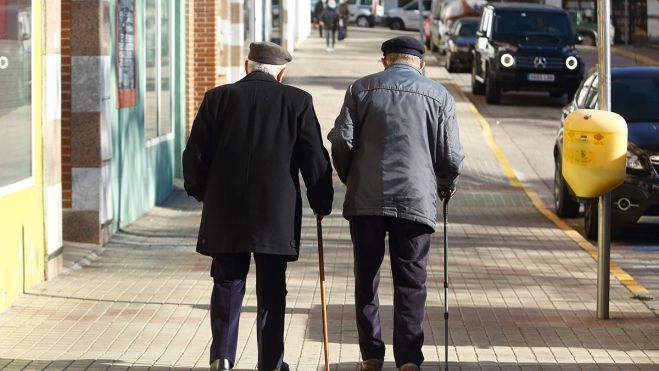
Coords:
pixel 22 212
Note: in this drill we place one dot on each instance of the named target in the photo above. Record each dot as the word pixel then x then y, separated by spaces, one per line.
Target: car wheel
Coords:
pixel 590 219
pixel 589 39
pixel 397 24
pixel 449 64
pixel 363 21
pixel 492 91
pixel 564 205
pixel 477 87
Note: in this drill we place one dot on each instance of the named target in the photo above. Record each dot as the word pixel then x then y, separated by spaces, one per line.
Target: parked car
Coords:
pixel 361 12
pixel 407 16
pixel 444 13
pixel 525 47
pixel 635 96
pixel 461 41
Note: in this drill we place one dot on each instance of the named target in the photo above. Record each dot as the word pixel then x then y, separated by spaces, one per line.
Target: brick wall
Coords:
pixel 202 53
pixel 67 200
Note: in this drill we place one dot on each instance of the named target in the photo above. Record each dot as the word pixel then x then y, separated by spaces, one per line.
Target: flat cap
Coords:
pixel 268 53
pixel 403 45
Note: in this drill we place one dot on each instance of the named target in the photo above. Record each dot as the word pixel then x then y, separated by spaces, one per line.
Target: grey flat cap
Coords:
pixel 268 53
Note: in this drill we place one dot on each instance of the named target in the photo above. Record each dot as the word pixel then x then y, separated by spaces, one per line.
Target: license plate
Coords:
pixel 541 77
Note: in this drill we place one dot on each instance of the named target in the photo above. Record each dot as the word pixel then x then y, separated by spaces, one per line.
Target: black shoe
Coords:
pixel 283 367
pixel 221 364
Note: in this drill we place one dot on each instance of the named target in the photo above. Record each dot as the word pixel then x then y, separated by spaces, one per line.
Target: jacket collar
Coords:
pixel 258 76
pixel 404 66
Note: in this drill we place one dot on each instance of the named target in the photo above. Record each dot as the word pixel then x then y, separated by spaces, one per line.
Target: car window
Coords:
pixel 351 2
pixel 367 2
pixel 636 98
pixel 582 93
pixel 466 29
pixel 412 6
pixel 532 27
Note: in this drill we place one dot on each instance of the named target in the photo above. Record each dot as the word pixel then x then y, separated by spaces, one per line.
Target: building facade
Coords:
pixel 98 98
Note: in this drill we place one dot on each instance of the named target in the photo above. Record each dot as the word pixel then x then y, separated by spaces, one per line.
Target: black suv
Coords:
pixel 525 47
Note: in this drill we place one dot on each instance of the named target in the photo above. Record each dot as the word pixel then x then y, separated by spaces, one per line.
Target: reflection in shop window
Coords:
pixel 158 69
pixel 15 91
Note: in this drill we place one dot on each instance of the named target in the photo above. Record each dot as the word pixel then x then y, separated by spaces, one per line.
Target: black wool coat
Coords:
pixel 249 142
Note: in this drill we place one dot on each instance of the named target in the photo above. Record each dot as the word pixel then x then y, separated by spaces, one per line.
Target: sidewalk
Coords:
pixel 522 292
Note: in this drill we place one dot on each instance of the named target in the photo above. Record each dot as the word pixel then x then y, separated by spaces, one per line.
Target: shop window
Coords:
pixel 16 91
pixel 158 41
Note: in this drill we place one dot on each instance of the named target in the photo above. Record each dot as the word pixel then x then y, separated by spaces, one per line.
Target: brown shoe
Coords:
pixel 409 367
pixel 372 364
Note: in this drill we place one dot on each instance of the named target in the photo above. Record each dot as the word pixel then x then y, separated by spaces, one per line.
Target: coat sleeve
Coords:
pixel 450 154
pixel 197 153
pixel 342 136
pixel 314 161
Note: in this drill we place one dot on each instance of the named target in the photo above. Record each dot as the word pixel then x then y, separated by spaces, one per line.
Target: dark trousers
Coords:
pixel 229 273
pixel 330 37
pixel 409 243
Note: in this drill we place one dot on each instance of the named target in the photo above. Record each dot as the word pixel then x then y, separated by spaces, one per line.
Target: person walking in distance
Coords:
pixel 248 144
pixel 318 14
pixel 344 14
pixel 396 145
pixel 330 21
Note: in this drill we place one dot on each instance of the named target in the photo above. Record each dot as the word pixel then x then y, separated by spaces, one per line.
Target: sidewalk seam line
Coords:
pixel 625 278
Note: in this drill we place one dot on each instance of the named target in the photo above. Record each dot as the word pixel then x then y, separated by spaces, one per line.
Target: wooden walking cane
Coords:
pixel 321 264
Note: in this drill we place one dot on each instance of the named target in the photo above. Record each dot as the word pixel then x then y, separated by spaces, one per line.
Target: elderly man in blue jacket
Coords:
pixel 395 145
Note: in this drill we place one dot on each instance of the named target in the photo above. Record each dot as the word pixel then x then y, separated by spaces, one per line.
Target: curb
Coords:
pixel 631 54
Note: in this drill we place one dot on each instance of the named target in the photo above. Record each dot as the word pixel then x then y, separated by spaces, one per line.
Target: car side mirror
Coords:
pixel 481 33
pixel 578 39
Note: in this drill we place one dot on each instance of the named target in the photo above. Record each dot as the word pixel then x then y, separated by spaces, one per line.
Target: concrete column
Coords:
pixel 52 137
pixel 90 216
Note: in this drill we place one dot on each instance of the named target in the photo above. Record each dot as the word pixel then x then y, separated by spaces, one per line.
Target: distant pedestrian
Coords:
pixel 318 14
pixel 330 20
pixel 395 145
pixel 248 143
pixel 344 14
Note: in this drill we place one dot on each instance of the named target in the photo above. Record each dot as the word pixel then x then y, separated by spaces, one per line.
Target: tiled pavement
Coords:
pixel 522 293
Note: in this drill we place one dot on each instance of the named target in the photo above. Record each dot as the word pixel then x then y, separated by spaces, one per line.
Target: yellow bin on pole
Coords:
pixel 594 152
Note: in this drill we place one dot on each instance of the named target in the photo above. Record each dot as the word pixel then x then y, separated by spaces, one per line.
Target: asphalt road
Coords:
pixel 525 126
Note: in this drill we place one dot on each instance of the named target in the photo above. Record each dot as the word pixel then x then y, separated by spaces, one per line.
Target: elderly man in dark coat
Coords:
pixel 396 146
pixel 248 144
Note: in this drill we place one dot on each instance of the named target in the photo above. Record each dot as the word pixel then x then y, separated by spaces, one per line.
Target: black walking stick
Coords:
pixel 446 283
pixel 321 264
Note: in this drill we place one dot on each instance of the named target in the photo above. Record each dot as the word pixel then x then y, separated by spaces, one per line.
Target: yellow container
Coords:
pixel 594 152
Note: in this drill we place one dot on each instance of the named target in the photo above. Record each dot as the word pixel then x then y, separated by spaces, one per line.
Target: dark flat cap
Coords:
pixel 268 53
pixel 403 45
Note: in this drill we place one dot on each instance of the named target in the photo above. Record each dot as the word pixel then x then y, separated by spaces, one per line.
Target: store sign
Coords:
pixel 126 54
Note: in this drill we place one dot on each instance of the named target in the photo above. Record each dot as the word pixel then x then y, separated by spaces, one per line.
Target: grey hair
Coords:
pixel 412 60
pixel 271 69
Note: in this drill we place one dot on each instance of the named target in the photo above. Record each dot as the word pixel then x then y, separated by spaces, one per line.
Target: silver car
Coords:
pixel 407 16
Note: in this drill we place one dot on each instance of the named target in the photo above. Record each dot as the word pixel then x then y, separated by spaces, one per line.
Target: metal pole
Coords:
pixel 604 207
